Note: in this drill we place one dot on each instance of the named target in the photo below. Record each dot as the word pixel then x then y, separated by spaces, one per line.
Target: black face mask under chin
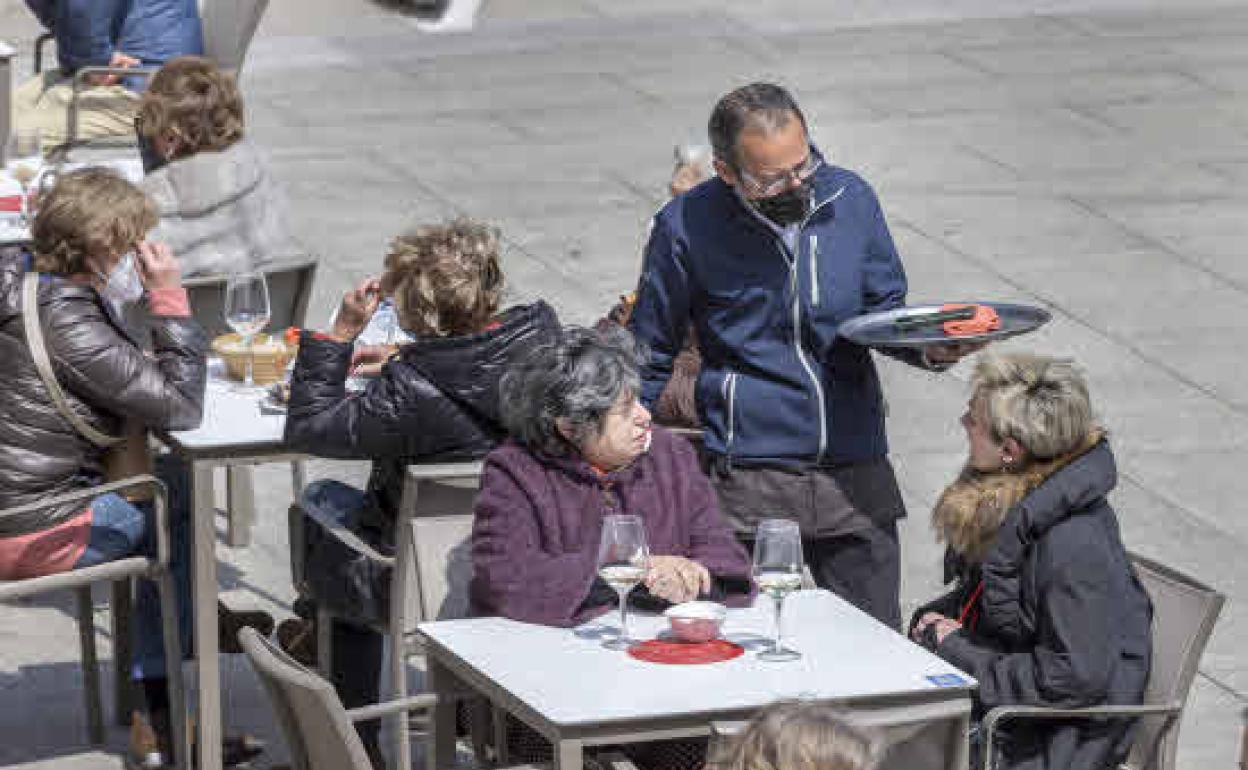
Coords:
pixel 785 208
pixel 152 160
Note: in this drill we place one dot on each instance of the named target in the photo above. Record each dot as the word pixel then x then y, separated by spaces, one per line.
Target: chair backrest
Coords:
pixel 290 287
pixel 229 26
pixel 443 565
pixel 1184 612
pixel 436 513
pixel 312 718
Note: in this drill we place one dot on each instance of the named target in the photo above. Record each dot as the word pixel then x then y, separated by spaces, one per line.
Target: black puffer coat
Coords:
pixel 1062 620
pixel 437 401
pixel 105 377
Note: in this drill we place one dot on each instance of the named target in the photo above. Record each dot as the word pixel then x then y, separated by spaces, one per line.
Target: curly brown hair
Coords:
pixel 193 101
pixel 445 279
pixel 92 212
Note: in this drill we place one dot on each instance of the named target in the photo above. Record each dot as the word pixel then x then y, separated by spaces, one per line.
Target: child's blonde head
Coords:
pixel 800 736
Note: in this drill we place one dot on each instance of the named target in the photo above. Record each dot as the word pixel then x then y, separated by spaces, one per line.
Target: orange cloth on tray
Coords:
pixel 985 320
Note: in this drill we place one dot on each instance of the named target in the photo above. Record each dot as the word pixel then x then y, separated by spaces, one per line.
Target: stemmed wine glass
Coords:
pixel 23 155
pixel 778 573
pixel 247 312
pixel 622 558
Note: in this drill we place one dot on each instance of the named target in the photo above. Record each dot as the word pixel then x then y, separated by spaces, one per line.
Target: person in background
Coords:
pixel 799 735
pixel 220 210
pixel 436 400
pixel 676 406
pixel 764 262
pixel 91 251
pixel 134 33
pixel 1046 610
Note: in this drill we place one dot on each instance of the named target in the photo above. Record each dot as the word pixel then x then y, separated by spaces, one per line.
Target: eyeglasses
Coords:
pixel 775 183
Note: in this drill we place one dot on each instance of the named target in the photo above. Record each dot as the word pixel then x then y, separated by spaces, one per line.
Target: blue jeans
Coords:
pixel 120 529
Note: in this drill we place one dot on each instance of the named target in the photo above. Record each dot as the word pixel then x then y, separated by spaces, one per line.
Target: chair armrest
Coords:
pixel 1002 713
pixel 82 73
pixel 39 41
pixel 410 703
pixel 80 81
pixel 346 536
pixel 159 495
pixel 438 471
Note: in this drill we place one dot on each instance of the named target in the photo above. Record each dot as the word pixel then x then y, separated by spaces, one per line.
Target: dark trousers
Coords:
pixel 863 568
pixel 356 660
pixel 847 515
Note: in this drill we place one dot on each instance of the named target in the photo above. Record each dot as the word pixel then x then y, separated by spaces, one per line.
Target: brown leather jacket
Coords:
pixel 106 378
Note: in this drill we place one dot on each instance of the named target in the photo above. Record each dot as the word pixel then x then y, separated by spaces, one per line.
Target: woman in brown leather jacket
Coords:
pixel 92 259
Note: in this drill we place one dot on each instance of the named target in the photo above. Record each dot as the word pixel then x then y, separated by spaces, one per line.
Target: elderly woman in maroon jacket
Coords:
pixel 582 447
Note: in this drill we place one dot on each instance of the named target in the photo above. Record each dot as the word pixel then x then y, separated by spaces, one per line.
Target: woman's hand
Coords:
pixel 158 268
pixel 943 626
pixel 357 308
pixel 367 360
pixel 677 579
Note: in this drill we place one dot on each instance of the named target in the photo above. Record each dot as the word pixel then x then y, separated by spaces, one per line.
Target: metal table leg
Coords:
pixel 441 682
pixel 204 571
pixel 569 754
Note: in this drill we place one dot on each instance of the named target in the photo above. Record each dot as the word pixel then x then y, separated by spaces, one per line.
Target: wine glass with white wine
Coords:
pixel 23 157
pixel 247 312
pixel 622 559
pixel 778 573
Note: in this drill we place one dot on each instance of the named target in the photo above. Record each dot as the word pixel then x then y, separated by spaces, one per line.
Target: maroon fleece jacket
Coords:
pixel 539 518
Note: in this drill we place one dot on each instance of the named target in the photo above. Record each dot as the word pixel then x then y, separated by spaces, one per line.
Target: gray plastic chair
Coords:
pixel 319 731
pixel 290 289
pixel 1184 612
pixel 430 567
pixel 118 573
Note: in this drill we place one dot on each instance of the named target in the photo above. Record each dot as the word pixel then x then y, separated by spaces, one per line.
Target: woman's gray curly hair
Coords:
pixel 577 379
pixel 1040 402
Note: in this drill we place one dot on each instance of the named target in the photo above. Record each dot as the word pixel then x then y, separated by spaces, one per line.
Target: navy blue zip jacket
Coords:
pixel 778 387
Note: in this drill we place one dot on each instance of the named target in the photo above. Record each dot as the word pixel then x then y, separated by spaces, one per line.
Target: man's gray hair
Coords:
pixel 764 107
pixel 1040 402
pixel 577 379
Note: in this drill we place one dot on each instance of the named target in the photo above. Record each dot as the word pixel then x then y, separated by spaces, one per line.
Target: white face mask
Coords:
pixel 122 285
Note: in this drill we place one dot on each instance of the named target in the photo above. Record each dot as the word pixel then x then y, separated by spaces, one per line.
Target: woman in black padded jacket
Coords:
pixel 435 399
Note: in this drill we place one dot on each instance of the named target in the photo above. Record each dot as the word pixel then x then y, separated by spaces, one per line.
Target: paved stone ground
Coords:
pixel 1082 155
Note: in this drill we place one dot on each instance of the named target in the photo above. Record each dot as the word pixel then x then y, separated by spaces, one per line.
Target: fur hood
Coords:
pixel 970 511
pixel 220 211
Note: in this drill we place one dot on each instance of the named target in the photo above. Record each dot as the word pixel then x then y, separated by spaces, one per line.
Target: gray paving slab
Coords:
pixel 1085 155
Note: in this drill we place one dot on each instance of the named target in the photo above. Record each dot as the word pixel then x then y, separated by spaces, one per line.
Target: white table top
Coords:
pixel 232 420
pixel 570 679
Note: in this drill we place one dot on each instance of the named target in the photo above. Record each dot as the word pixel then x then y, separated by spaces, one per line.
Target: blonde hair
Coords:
pixel 445 279
pixel 92 212
pixel 1040 402
pixel 799 735
pixel 194 101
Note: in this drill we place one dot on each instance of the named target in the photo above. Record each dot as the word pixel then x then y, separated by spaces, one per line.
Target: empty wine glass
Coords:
pixel 778 573
pixel 622 558
pixel 247 312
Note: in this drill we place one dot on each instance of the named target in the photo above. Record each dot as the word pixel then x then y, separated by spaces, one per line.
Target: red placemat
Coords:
pixel 10 203
pixel 684 653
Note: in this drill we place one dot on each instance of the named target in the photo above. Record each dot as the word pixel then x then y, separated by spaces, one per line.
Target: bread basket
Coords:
pixel 270 355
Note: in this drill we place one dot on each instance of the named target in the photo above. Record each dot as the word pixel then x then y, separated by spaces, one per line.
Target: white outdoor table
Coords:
pixel 577 694
pixel 234 432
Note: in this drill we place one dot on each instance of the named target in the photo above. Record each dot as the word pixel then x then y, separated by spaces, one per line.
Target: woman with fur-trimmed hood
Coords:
pixel 1046 610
